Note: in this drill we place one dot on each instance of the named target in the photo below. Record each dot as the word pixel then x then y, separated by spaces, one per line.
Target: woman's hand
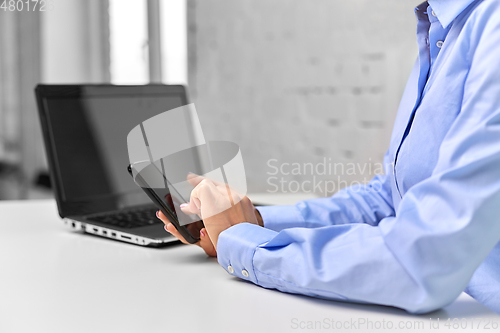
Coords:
pixel 205 243
pixel 219 206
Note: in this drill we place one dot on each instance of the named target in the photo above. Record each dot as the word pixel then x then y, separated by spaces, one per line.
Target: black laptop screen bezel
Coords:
pixel 69 208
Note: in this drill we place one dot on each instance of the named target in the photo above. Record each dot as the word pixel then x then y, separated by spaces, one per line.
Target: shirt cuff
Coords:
pixel 236 247
pixel 278 218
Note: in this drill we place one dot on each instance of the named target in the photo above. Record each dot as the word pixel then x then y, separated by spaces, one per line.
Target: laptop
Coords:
pixel 85 131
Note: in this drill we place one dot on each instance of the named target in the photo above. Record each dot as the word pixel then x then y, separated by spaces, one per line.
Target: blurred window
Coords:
pixel 173 19
pixel 128 41
pixel 129 48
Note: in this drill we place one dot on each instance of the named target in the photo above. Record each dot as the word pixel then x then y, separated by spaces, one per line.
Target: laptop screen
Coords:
pixel 88 132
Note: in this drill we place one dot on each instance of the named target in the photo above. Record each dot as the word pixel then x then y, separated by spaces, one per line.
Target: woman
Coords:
pixel 428 229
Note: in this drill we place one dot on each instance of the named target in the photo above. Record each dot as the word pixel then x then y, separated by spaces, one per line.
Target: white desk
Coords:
pixel 53 280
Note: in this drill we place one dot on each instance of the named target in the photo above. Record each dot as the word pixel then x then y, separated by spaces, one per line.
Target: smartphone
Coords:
pixel 164 201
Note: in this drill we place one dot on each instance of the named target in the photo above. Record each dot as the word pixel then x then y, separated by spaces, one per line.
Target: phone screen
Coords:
pixel 173 204
pixel 150 177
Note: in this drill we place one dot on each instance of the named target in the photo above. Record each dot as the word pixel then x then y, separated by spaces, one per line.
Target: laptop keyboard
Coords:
pixel 128 219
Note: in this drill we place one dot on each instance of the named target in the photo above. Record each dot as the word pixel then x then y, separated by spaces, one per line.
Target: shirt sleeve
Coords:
pixel 422 258
pixel 368 203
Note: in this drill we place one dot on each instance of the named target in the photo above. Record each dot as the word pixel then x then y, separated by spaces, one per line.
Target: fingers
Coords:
pixel 195 179
pixel 204 194
pixel 194 204
pixel 192 207
pixel 162 217
pixel 169 227
pixel 206 243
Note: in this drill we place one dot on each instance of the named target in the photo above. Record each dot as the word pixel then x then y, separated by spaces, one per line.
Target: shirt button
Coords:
pixel 433 14
pixel 439 44
pixel 245 273
pixel 230 269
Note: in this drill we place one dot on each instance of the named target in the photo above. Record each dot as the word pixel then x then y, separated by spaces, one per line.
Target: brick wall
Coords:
pixel 314 81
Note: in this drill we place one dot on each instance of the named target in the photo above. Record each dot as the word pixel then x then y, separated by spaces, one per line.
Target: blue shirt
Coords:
pixel 428 229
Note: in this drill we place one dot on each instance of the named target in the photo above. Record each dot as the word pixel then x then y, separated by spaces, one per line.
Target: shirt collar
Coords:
pixel 447 10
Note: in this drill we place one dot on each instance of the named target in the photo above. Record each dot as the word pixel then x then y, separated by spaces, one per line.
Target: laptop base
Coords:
pixel 117 235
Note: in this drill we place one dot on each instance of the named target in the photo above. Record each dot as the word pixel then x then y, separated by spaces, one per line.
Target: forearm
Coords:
pixel 291 261
pixel 358 204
